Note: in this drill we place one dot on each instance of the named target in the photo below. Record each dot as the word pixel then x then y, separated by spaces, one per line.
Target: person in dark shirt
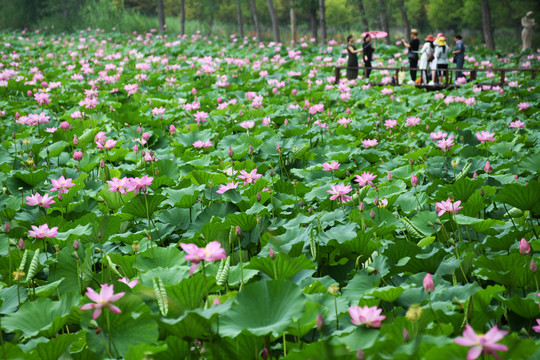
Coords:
pixel 413 47
pixel 368 54
pixel 352 62
pixel 459 55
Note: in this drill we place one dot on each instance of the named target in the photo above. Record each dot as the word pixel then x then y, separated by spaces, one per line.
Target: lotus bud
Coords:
pixel 219 100
pixel 482 193
pixel 389 176
pixel 411 161
pixel 76 245
pixel 258 196
pixel 135 246
pixel 278 148
pixel 294 92
pixel 146 136
pixel 524 247
pixel 150 103
pixel 320 322
pixel 172 129
pixel 135 148
pixel 361 206
pixel 414 180
pixel 250 150
pixel 488 167
pixel 310 211
pixel 286 122
pixel 77 155
pixel 360 354
pixel 427 127
pixel 102 163
pixel 7 228
pixel 29 93
pixel 429 286
pixel 271 253
pixel 372 213
pixel 347 173
pixel 264 354
pixel 139 129
pixel 14 135
pixel 376 202
pixel 238 230
pixel 475 175
pixel 406 335
pixel 231 152
pixel 75 140
pixel 272 172
pixel 193 91
pixel 216 301
pixel 60 197
pixel 533 266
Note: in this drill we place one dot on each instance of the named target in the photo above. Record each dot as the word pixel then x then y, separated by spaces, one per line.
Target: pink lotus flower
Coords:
pixel 39 200
pixel 249 124
pixel 482 343
pixel 340 192
pixel 110 144
pixel 446 144
pixel 249 178
pixel 131 283
pixel 368 143
pixel 213 251
pixel 62 184
pixel 344 122
pixel 43 231
pixel 42 98
pixel 202 144
pixel 390 124
pixel 224 188
pixel 524 106
pixel 365 179
pixel 103 300
pixel 51 130
pixel 119 185
pixel 484 136
pixel 518 124
pixel 158 111
pixel 438 136
pixel 200 116
pixel 537 327
pixel 447 207
pixel 334 165
pixel 429 286
pixel 131 88
pixel 413 121
pixel 139 184
pixel 370 316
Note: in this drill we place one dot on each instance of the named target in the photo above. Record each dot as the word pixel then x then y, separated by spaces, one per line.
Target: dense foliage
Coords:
pixel 224 199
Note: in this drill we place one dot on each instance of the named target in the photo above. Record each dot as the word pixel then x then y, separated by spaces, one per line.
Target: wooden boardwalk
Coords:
pixel 447 81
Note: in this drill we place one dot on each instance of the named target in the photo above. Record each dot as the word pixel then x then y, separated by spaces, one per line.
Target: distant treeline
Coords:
pixel 489 20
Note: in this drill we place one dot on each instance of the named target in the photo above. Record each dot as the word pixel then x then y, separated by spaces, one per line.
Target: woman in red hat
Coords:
pixel 426 56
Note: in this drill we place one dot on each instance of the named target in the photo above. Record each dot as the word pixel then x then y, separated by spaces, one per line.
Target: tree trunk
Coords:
pixel 210 23
pixel 255 19
pixel 293 25
pixel 275 25
pixel 405 19
pixel 363 17
pixel 239 19
pixel 486 25
pixel 313 16
pixel 161 15
pixel 182 17
pixel 322 9
pixel 383 13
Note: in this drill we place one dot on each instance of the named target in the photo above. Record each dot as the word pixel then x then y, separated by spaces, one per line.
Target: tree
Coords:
pixel 275 24
pixel 322 11
pixel 486 25
pixel 313 18
pixel 382 6
pixel 161 15
pixel 182 17
pixel 255 19
pixel 363 15
pixel 239 18
pixel 405 19
pixel 293 22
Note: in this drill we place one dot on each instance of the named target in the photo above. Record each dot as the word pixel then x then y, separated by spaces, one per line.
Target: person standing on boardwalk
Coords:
pixel 441 56
pixel 426 58
pixel 459 55
pixel 413 47
pixel 352 62
pixel 368 54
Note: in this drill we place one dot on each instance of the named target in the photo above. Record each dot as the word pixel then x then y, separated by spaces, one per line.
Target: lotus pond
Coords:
pixel 205 198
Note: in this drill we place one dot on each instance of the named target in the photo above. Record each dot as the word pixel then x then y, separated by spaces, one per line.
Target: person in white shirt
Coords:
pixel 441 56
pixel 426 57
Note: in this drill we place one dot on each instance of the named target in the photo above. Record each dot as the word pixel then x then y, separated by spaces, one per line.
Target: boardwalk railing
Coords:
pixel 473 73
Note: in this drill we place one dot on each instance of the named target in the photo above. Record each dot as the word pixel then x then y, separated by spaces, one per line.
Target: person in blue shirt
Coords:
pixel 459 55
